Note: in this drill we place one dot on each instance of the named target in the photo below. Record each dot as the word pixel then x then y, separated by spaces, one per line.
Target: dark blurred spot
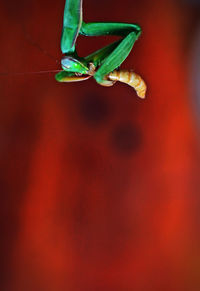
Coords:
pixel 126 138
pixel 94 109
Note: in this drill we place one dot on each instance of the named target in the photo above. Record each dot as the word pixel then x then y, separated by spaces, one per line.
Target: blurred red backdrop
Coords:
pixel 99 189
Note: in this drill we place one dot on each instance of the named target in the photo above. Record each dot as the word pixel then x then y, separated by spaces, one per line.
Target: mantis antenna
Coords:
pixel 29 73
pixel 35 44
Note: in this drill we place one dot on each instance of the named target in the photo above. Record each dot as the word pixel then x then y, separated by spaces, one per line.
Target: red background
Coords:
pixel 99 190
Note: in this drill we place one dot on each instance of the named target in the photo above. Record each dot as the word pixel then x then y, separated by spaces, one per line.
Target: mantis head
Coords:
pixel 74 70
pixel 70 64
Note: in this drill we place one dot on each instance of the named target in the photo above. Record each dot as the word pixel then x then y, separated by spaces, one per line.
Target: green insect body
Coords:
pixel 100 63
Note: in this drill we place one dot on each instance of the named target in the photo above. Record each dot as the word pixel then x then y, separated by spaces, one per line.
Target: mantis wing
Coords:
pixel 71 25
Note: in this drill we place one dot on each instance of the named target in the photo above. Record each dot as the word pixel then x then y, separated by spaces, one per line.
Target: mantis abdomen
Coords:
pixel 130 78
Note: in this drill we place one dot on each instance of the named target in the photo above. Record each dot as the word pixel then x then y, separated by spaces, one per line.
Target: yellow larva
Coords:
pixel 130 78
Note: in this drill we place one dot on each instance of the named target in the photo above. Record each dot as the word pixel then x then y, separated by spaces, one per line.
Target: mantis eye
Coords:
pixel 65 63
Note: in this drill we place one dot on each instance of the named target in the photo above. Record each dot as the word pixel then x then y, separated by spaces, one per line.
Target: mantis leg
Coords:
pixel 115 55
pixel 64 76
pixel 72 22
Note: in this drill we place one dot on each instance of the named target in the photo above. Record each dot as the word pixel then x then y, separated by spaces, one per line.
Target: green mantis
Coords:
pixel 101 63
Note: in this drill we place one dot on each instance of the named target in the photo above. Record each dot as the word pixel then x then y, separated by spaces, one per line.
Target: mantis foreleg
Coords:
pixel 72 22
pixel 120 50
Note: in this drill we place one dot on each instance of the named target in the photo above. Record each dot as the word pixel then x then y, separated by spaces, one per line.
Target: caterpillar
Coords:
pixel 130 78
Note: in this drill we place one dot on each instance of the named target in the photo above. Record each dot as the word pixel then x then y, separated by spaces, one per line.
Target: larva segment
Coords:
pixel 130 78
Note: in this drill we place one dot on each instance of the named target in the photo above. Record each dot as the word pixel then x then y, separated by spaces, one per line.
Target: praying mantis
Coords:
pixel 103 64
